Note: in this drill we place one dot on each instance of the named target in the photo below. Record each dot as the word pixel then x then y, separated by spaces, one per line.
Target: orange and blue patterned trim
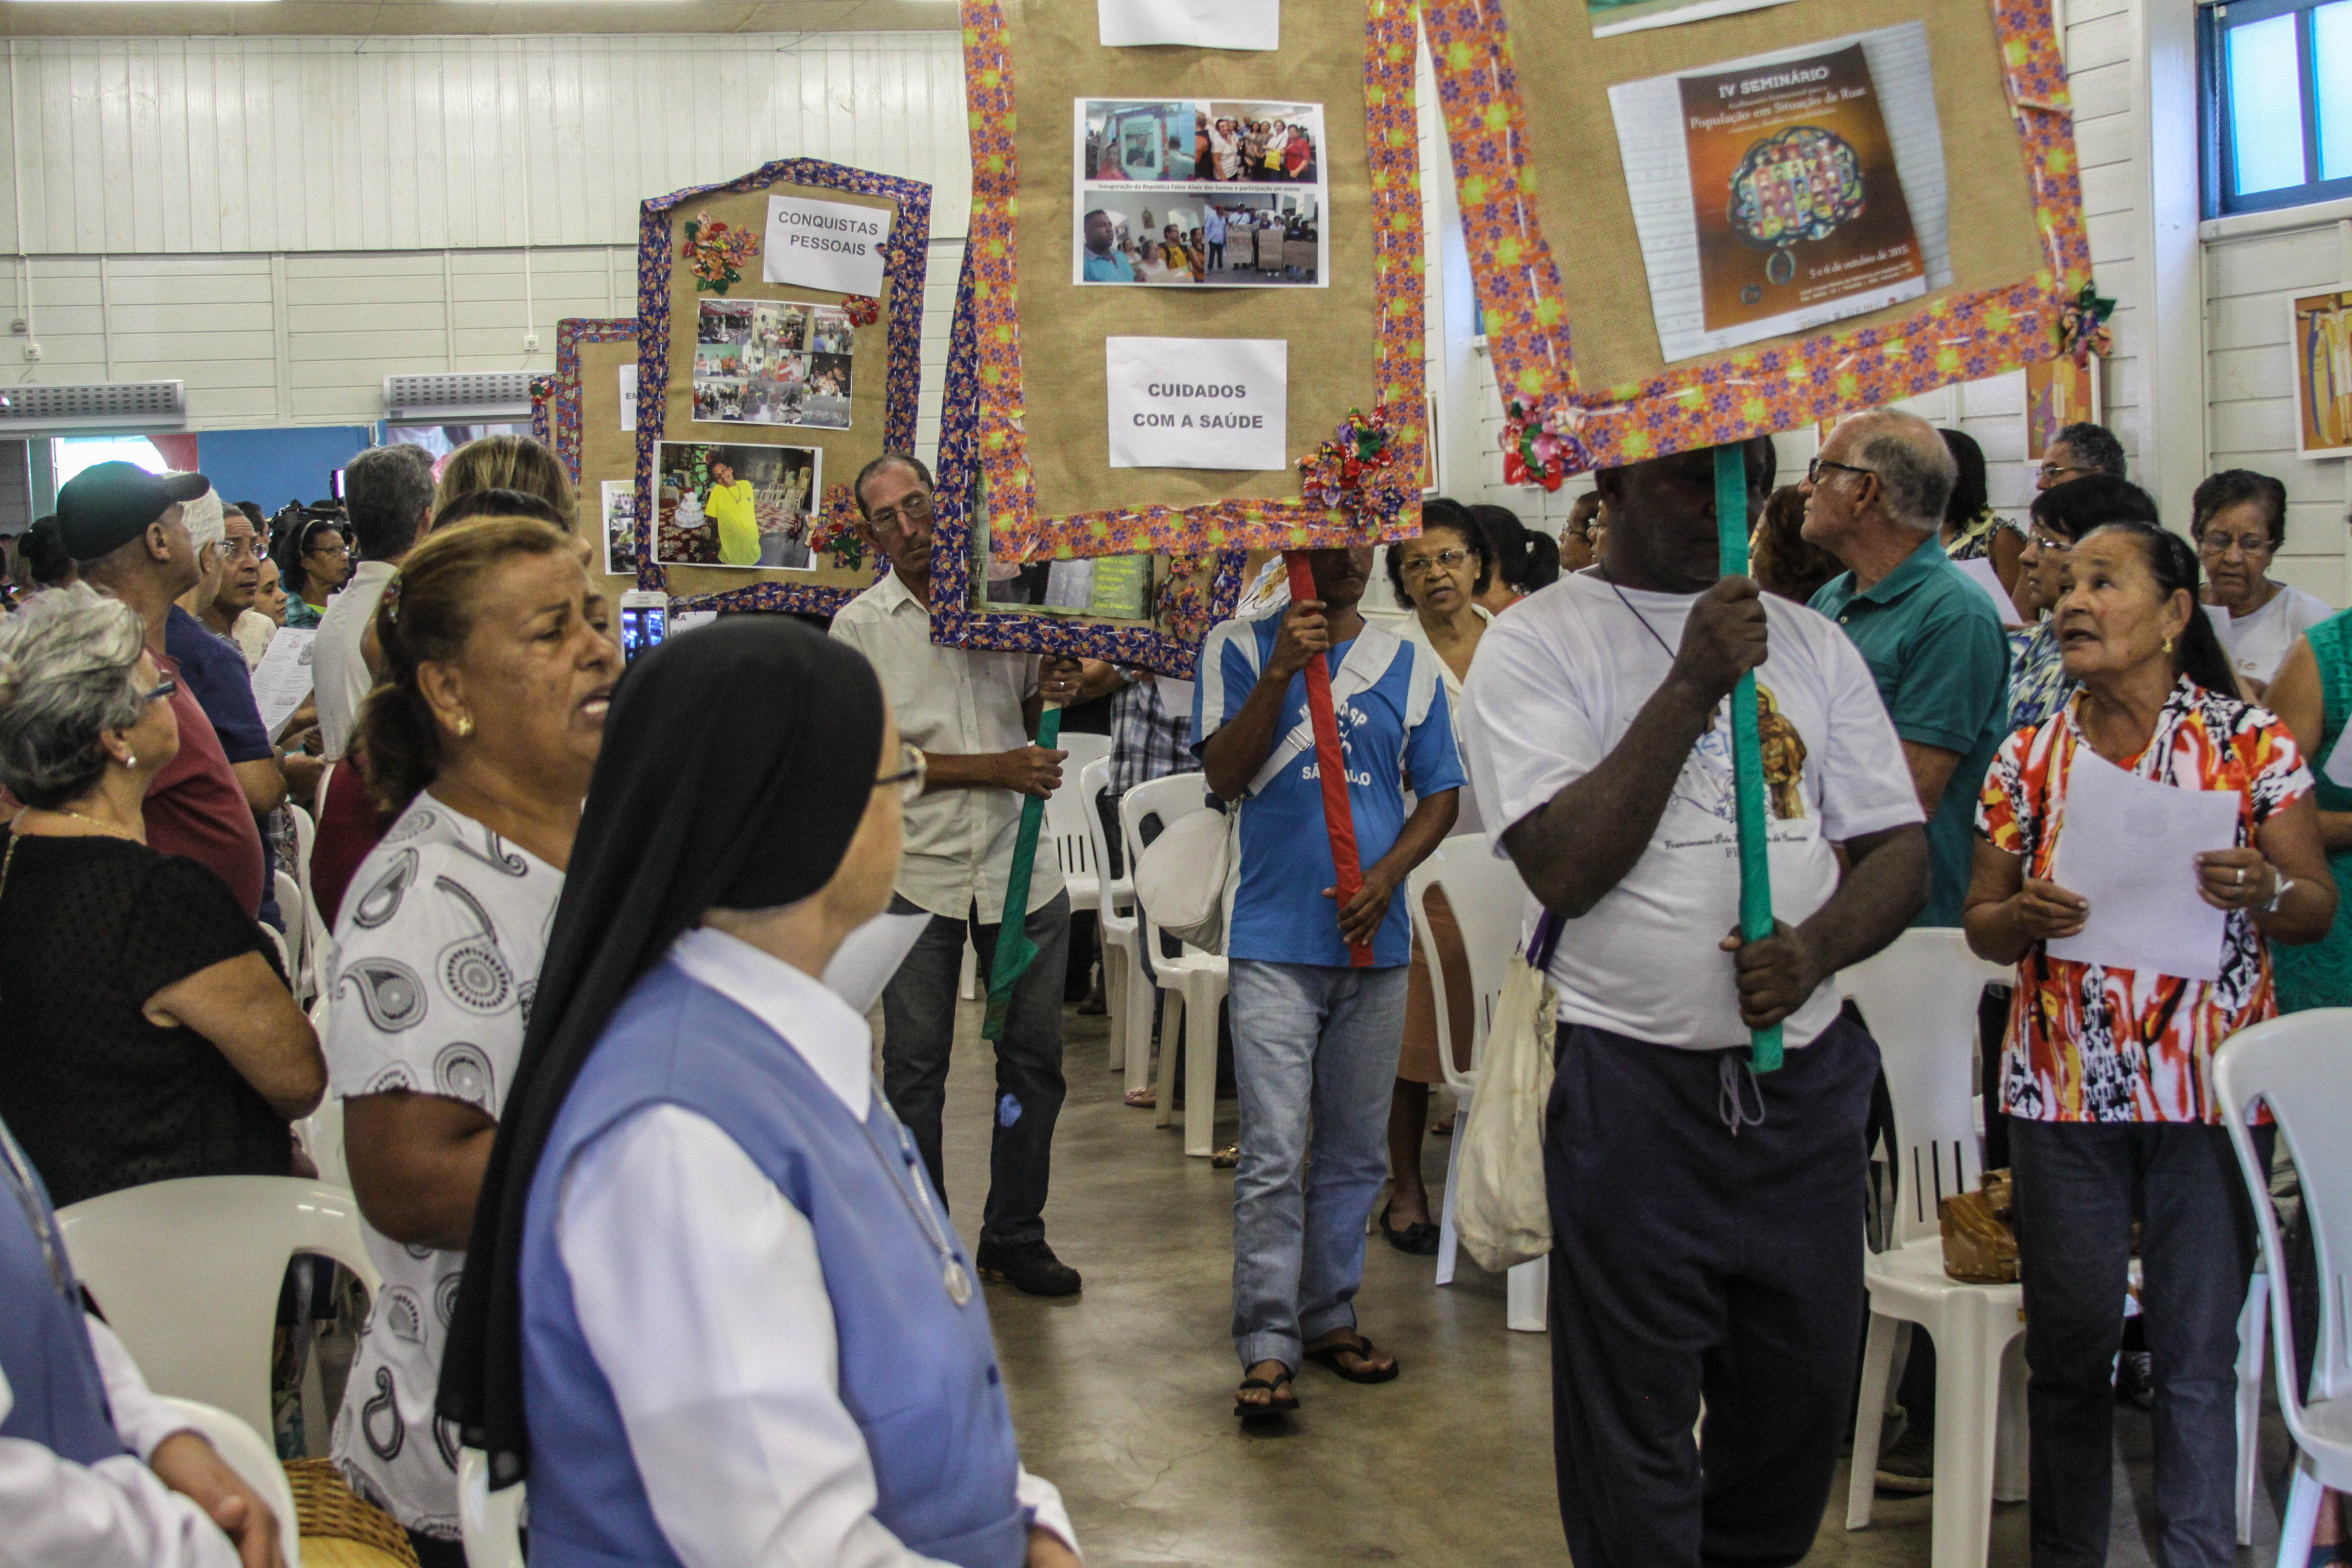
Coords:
pixel 1017 529
pixel 1529 339
pixel 956 624
pixel 904 258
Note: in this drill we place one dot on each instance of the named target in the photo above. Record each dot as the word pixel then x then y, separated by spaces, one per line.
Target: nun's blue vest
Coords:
pixel 60 1400
pixel 917 1373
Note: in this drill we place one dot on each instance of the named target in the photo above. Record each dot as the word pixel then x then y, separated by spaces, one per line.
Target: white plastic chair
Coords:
pixel 188 1273
pixel 1192 985
pixel 488 1523
pixel 298 959
pixel 242 1449
pixel 1125 988
pixel 318 941
pixel 1919 999
pixel 2297 1065
pixel 1489 903
pixel 1069 810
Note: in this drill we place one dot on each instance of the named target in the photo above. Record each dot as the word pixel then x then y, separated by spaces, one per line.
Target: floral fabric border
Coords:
pixel 570 333
pixel 543 399
pixel 1962 338
pixel 1186 612
pixel 904 259
pixel 1015 529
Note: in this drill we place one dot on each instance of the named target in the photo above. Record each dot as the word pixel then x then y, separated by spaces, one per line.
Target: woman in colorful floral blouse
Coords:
pixel 2106 1071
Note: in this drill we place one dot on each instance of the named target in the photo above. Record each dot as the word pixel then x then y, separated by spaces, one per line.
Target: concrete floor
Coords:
pixel 1123 1396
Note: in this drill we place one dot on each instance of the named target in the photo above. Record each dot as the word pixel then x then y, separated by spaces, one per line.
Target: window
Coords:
pixel 2278 102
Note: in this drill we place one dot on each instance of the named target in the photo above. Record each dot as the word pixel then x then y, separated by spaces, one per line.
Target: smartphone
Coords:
pixel 645 621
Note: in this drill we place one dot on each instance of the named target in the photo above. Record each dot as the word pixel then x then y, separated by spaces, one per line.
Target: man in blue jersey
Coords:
pixel 1315 1037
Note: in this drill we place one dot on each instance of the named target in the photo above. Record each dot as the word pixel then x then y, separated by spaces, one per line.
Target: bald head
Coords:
pixel 1915 468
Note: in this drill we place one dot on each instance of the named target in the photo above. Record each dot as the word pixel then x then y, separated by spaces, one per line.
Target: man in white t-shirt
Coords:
pixel 1706 1220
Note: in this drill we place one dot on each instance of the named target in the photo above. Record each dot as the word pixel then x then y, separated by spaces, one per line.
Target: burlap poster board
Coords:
pixel 607 452
pixel 1334 341
pixel 1565 74
pixel 885 381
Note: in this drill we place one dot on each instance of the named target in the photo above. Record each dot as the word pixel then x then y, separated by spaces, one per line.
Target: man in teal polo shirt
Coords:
pixel 1874 498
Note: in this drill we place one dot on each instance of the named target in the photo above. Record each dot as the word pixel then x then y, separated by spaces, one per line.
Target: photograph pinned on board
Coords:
pixel 618 507
pixel 1611 17
pixel 2320 336
pixel 1782 192
pixel 726 505
pixel 772 361
pixel 1215 193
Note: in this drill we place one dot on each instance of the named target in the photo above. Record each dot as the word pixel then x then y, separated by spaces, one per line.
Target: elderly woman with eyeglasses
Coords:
pixel 2239 520
pixel 1439 577
pixel 2038 681
pixel 313 561
pixel 145 1031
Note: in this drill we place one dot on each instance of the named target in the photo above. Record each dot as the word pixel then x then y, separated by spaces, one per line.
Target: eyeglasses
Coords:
pixel 2048 543
pixel 914 509
pixel 1422 565
pixel 238 548
pixel 913 767
pixel 2052 470
pixel 168 686
pixel 2214 546
pixel 342 549
pixel 1814 469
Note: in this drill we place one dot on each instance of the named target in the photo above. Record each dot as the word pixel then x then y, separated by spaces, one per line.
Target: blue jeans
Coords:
pixel 1315 1055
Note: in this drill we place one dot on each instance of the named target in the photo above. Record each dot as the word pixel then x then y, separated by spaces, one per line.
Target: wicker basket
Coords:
pixel 326 1505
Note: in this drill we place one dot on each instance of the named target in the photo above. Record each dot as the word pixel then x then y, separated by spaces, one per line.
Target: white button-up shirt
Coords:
pixel 958 702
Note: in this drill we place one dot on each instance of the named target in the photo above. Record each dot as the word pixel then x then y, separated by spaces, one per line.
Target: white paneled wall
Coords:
pixel 180 145
pixel 307 338
pixel 2251 409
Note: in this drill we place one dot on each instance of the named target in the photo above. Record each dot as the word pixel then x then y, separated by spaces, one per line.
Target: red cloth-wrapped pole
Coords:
pixel 1330 764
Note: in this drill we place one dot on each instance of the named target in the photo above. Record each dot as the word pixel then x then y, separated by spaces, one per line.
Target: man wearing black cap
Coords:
pixel 123 525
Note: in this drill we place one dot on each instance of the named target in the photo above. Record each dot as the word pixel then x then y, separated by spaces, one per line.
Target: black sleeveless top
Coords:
pixel 98 1097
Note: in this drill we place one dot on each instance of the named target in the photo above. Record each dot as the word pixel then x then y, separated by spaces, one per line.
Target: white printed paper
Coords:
pixel 1200 24
pixel 629 396
pixel 870 955
pixel 824 245
pixel 1198 402
pixel 281 681
pixel 1980 571
pixel 686 620
pixel 1655 143
pixel 2128 847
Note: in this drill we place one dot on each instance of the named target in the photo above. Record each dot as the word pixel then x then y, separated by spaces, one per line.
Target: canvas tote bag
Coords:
pixel 1500 1213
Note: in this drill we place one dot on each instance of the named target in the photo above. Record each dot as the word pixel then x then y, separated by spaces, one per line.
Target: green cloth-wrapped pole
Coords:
pixel 1747 747
pixel 1014 949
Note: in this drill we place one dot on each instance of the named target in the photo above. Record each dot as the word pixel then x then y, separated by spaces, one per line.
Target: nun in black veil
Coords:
pixel 712 1305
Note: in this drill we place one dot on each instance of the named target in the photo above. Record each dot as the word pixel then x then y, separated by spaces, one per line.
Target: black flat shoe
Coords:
pixel 1419 1239
pixel 1030 1268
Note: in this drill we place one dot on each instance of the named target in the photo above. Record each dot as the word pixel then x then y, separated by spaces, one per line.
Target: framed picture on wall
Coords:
pixel 2059 393
pixel 2319 335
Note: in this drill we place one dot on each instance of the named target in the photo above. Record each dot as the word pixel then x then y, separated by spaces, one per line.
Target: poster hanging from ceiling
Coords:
pixel 779 338
pixel 1832 204
pixel 1298 168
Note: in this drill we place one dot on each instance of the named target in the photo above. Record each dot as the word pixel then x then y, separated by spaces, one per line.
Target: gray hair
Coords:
pixel 207 522
pixel 69 673
pixel 1915 470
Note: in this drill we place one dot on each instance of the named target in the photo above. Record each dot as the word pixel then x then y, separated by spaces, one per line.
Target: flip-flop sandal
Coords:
pixel 1280 1401
pixel 1142 1098
pixel 1362 1349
